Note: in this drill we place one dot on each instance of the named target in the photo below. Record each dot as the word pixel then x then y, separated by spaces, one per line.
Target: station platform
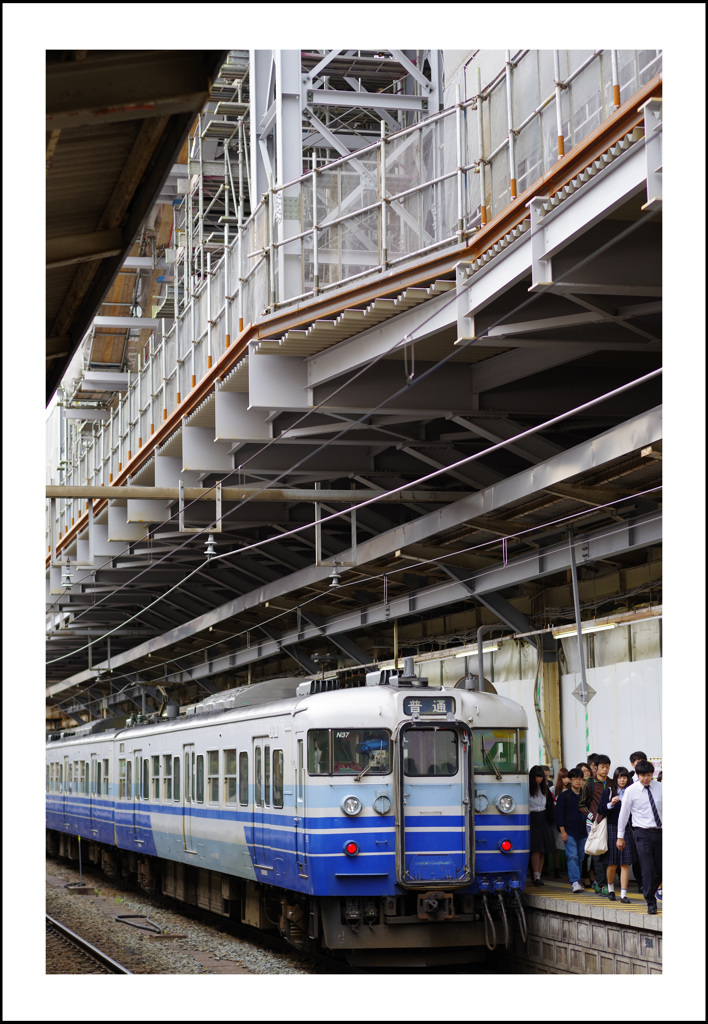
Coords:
pixel 583 933
pixel 555 892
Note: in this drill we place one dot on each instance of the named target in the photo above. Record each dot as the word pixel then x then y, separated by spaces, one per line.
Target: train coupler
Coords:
pixel 435 906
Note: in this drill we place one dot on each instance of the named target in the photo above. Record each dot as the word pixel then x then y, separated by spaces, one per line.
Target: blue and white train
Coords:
pixel 390 816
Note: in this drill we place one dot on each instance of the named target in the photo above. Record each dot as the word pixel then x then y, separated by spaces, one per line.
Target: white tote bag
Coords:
pixel 597 839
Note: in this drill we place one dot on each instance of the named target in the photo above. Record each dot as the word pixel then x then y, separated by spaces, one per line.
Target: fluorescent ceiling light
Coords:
pixel 564 631
pixel 471 651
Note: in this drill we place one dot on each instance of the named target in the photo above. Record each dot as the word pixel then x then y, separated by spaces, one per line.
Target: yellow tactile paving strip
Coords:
pixel 560 892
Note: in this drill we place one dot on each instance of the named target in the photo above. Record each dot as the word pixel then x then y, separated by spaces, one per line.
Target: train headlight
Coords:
pixel 351 805
pixel 506 803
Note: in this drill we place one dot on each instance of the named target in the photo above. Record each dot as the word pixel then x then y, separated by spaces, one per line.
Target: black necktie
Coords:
pixel 657 819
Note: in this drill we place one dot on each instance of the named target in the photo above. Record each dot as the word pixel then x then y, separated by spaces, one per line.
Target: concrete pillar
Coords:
pixel 550 708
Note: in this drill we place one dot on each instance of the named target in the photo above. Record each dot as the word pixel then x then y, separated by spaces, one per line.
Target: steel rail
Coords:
pixel 106 961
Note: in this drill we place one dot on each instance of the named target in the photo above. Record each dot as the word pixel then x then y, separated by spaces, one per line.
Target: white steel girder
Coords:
pixel 639 432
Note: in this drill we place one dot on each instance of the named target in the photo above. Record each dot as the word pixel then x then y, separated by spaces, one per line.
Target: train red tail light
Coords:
pixel 351 848
pixel 505 846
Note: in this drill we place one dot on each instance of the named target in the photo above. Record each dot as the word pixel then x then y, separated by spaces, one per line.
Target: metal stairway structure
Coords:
pixel 388 390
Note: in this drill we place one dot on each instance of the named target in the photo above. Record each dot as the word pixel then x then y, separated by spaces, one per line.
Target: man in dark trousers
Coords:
pixel 589 802
pixel 643 802
pixel 638 755
pixel 572 827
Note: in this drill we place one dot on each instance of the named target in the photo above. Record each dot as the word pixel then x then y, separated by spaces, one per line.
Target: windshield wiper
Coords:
pixel 494 767
pixel 375 762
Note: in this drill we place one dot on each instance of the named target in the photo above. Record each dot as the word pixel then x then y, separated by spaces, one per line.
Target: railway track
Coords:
pixel 68 953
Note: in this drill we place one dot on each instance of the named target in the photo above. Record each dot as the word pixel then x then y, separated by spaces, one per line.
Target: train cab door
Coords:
pixel 261 804
pixel 434 846
pixel 300 808
pixel 188 795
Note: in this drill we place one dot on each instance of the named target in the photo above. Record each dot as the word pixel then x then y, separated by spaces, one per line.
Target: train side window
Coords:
pixel 146 778
pixel 49 772
pixel 230 777
pixel 187 783
pixel 300 772
pixel 176 777
pixel 243 778
pixel 106 778
pixel 523 765
pixel 129 779
pixel 318 752
pixel 277 778
pixel 257 777
pixel 61 778
pixel 70 777
pixel 156 776
pixel 167 775
pixel 213 776
pixel 98 777
pixel 200 778
pixel 266 758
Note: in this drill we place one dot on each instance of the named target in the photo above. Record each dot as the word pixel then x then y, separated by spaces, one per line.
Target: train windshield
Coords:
pixel 348 751
pixel 498 748
pixel 430 752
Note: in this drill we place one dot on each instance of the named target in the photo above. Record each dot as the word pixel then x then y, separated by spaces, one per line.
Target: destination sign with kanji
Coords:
pixel 428 705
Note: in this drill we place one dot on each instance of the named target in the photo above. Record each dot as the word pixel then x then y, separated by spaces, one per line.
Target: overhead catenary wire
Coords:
pixel 363 504
pixel 351 424
pixel 473 577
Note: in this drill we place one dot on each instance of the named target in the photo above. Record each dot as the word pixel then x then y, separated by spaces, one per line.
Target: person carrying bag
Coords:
pixel 597 840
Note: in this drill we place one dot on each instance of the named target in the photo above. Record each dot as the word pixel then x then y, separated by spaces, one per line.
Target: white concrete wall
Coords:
pixel 623 666
pixel 624 715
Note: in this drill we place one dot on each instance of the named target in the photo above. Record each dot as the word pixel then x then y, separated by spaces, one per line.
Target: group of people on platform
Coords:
pixel 563 814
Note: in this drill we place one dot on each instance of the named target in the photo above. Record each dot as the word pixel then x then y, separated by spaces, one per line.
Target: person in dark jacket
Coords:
pixel 589 801
pixel 571 822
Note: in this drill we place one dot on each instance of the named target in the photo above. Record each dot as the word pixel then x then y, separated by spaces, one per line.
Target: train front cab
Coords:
pixel 461 843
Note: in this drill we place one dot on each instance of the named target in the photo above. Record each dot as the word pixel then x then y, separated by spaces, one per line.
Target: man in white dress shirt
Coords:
pixel 643 802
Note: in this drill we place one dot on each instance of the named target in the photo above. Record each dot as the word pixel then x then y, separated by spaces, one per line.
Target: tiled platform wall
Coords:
pixel 601 940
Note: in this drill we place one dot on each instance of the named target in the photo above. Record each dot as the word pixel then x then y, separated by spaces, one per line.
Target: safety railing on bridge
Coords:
pixel 426 188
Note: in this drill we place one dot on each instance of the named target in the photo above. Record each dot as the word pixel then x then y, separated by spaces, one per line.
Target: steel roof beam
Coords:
pixel 621 440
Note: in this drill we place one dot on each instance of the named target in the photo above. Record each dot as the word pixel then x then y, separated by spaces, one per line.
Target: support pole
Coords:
pixel 583 695
pixel 480 143
pixel 510 128
pixel 559 113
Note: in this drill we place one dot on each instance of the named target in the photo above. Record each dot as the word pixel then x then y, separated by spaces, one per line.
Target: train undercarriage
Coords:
pixel 425 929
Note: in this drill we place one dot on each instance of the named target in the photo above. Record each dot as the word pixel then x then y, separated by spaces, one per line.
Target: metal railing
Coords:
pixel 425 188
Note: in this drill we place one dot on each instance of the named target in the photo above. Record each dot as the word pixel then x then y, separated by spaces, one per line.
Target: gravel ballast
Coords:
pixel 205 950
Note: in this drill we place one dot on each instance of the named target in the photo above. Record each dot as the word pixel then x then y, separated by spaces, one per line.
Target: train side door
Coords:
pixel 136 792
pixel 188 795
pixel 434 791
pixel 92 793
pixel 300 809
pixel 261 803
pixel 64 790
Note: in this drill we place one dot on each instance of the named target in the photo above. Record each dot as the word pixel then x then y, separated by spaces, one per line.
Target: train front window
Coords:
pixel 495 749
pixel 348 751
pixel 430 752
